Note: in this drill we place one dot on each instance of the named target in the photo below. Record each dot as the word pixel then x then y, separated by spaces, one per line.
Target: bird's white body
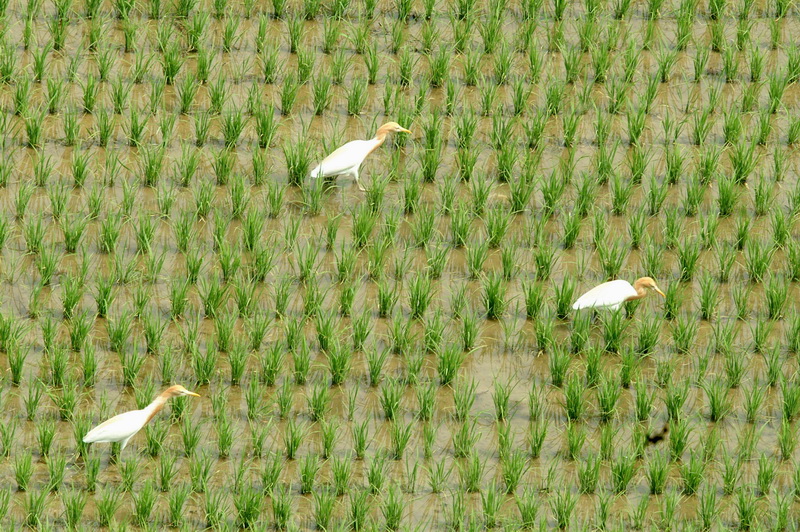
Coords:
pixel 119 428
pixel 123 427
pixel 610 295
pixel 347 159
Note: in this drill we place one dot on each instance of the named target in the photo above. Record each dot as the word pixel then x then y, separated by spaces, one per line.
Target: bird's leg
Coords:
pixel 360 186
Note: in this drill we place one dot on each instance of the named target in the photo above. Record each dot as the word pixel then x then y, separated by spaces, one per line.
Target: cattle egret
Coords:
pixel 122 428
pixel 347 159
pixel 614 293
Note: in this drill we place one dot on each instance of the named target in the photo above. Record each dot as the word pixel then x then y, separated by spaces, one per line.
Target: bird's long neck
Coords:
pixel 640 290
pixel 380 135
pixel 155 407
pixel 379 139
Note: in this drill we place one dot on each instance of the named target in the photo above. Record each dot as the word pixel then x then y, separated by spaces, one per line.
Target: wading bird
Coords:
pixel 614 293
pixel 347 159
pixel 122 428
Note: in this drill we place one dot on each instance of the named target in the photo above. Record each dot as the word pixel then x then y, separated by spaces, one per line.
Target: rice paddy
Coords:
pixel 404 358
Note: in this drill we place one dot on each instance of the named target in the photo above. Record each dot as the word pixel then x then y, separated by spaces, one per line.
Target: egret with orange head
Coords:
pixel 612 294
pixel 123 427
pixel 347 159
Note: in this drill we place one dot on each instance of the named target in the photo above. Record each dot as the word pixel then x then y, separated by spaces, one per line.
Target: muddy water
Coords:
pixel 523 365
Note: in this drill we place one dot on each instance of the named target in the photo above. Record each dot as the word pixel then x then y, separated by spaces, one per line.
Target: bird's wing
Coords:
pixel 117 428
pixel 610 294
pixel 344 159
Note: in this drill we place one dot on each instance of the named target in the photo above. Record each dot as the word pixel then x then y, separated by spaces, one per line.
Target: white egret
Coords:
pixel 122 427
pixel 347 159
pixel 614 293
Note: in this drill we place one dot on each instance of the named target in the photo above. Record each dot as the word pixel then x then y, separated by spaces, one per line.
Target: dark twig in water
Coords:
pixel 658 436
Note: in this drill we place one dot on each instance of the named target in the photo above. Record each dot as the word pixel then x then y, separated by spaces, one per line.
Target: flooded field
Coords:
pixel 405 357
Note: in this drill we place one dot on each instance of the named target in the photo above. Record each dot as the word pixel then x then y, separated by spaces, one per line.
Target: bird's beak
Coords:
pixel 404 130
pixel 192 394
pixel 659 291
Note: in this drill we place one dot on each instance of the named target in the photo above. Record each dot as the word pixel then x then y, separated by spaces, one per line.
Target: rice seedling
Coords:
pixel 775 293
pixel 471 472
pixel 795 480
pixel 293 436
pixel 463 398
pixel 376 474
pixel 574 401
pixel 604 162
pixel 34 506
pixel 92 468
pixel 636 123
pixel 309 468
pixel 588 474
pixel 465 438
pixel 401 436
pixel 324 504
pixel 750 98
pixel 746 445
pixel 521 190
pixel 47 263
pixel 623 468
pixel 358 509
pixel 339 362
pixel 390 395
pixel 614 326
pixel 575 437
pixel 675 398
pixel 688 253
pixel 318 402
pixel 612 256
pixel 438 474
pixel 608 393
pixel 494 295
pixel 44 434
pixel 144 500
pixel 787 440
pixel 544 258
pixel 790 399
pixel 719 403
pixel 562 504
pixel 593 358
pixel 74 502
pixel 176 503
pixel 360 433
pixel 23 470
pixel 448 362
pixel 225 435
pixel 793 331
pixel 774 366
pixel 757 255
pixel 763 197
pixel 657 473
pixel 7 433
pixel 765 475
pixel 214 508
pixel 461 226
pixel 781 510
